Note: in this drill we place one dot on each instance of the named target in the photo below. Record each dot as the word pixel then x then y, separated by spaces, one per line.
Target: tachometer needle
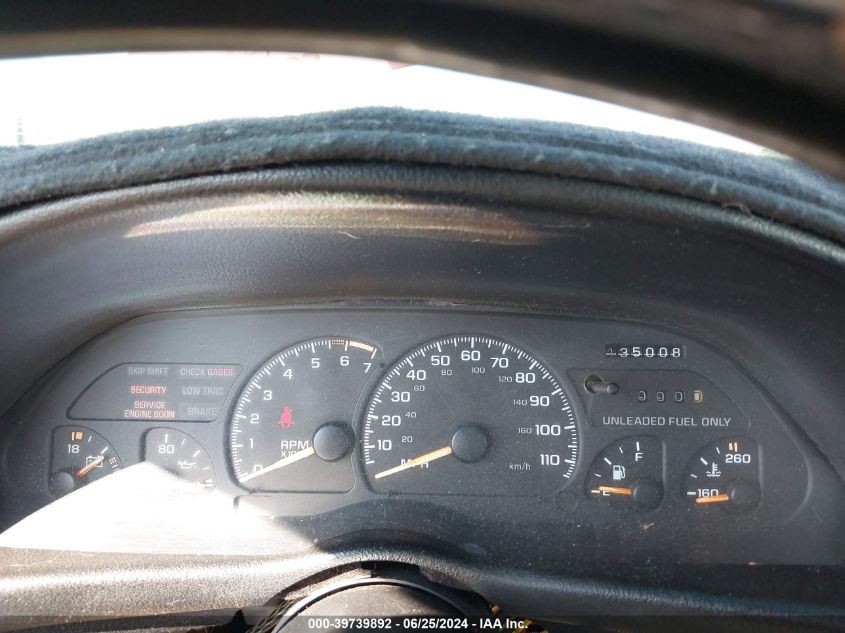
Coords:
pixel 285 461
pixel 91 466
pixel 417 461
pixel 614 490
pixel 714 499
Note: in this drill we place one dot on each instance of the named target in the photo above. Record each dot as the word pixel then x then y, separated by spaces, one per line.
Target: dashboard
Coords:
pixel 572 372
pixel 515 437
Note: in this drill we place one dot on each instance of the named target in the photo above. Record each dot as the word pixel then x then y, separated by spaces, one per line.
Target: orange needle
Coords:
pixel 417 461
pixel 714 499
pixel 87 469
pixel 285 461
pixel 614 490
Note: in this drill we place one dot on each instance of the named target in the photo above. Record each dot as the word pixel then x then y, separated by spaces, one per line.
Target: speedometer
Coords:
pixel 470 415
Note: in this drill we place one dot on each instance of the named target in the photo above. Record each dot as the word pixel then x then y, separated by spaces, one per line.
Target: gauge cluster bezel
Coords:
pixel 566 524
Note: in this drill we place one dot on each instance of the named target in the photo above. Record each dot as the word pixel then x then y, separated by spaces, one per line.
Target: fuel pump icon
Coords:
pixel 618 472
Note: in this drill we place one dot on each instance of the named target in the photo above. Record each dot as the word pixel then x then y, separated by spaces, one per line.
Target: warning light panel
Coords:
pixel 157 392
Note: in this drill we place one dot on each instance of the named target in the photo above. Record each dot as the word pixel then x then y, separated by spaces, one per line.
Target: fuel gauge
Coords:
pixel 628 471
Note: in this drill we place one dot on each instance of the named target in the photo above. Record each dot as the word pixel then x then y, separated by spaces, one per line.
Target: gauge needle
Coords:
pixel 87 469
pixel 417 461
pixel 714 499
pixel 614 490
pixel 285 461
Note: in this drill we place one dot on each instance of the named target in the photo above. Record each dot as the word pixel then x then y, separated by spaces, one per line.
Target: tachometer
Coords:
pixel 292 425
pixel 470 415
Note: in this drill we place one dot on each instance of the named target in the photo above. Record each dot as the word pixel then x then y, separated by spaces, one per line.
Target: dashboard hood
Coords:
pixel 769 186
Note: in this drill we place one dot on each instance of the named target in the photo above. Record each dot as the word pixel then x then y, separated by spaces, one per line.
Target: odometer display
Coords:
pixel 470 415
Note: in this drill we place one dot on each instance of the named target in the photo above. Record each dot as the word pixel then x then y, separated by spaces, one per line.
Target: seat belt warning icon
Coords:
pixel 286 419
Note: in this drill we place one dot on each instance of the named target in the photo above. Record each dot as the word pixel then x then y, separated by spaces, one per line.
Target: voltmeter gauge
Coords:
pixel 179 454
pixel 80 456
pixel 292 428
pixel 628 471
pixel 725 474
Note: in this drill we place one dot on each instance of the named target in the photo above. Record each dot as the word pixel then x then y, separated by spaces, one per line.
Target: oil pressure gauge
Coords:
pixel 628 471
pixel 179 454
pixel 725 474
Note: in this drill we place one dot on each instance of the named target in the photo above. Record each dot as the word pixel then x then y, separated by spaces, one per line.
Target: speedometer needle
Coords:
pixel 417 461
pixel 285 461
pixel 87 469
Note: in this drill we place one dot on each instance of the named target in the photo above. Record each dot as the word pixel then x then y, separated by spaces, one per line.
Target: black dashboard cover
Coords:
pixel 769 186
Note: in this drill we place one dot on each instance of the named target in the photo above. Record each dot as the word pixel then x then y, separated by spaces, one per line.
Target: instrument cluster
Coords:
pixel 470 419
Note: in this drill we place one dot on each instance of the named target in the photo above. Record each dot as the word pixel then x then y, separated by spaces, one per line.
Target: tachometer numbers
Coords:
pixel 292 428
pixel 80 456
pixel 179 454
pixel 470 415
pixel 629 472
pixel 725 474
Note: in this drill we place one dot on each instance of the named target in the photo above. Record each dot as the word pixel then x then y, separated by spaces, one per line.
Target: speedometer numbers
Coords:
pixel 292 427
pixel 470 415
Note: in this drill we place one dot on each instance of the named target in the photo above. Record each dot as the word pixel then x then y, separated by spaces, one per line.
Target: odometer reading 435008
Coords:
pixel 470 415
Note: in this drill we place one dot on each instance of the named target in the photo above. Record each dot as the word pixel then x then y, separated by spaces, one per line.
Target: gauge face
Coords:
pixel 291 430
pixel 80 456
pixel 180 454
pixel 628 472
pixel 724 474
pixel 470 415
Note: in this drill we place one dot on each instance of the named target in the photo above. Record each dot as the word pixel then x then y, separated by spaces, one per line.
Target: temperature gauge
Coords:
pixel 725 473
pixel 80 456
pixel 628 471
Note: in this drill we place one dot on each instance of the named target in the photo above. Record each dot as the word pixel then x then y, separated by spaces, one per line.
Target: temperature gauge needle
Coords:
pixel 417 461
pixel 615 490
pixel 285 461
pixel 87 469
pixel 714 499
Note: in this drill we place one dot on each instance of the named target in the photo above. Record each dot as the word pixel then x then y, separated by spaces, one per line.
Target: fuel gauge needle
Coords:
pixel 417 461
pixel 87 469
pixel 616 490
pixel 285 461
